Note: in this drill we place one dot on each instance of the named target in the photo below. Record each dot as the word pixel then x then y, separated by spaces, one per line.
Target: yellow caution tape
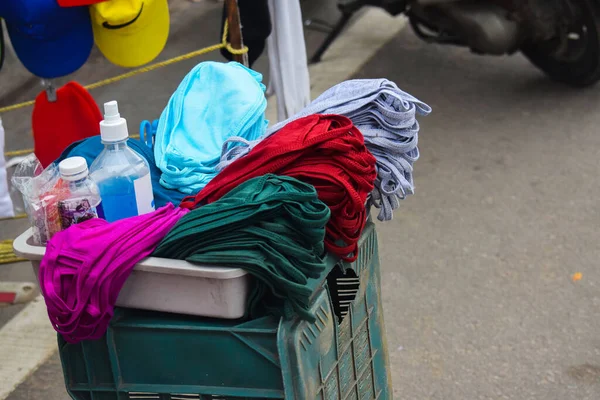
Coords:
pixel 7 254
pixel 18 216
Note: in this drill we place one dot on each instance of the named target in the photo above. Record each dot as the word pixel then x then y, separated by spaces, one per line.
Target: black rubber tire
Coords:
pixel 585 69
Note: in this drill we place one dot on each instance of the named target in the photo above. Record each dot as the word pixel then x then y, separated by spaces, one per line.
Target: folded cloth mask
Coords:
pixel 86 266
pixel 214 102
pixel 386 116
pixel 273 227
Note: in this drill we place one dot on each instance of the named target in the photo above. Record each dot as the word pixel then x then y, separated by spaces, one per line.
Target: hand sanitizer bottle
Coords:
pixel 122 175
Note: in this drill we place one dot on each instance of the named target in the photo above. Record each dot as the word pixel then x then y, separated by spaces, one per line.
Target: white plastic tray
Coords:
pixel 175 286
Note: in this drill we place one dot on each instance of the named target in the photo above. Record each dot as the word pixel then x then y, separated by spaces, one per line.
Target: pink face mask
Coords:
pixel 86 266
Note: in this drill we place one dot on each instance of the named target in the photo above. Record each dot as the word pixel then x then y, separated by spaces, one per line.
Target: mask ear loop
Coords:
pixel 148 132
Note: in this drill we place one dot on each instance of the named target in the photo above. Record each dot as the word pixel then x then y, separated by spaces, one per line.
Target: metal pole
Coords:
pixel 235 31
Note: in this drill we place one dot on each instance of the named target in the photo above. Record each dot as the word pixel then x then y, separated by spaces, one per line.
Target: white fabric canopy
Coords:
pixel 287 58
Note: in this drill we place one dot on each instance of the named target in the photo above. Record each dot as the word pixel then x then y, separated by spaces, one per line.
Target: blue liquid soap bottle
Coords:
pixel 122 175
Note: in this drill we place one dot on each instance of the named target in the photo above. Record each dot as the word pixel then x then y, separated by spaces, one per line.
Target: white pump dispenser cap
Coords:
pixel 113 128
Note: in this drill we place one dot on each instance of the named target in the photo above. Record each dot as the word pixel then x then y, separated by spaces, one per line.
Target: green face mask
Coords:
pixel 273 227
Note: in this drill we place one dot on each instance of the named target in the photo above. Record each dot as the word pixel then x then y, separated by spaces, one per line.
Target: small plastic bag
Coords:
pixel 38 186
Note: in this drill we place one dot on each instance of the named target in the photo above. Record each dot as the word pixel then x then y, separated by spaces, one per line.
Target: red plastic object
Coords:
pixel 72 117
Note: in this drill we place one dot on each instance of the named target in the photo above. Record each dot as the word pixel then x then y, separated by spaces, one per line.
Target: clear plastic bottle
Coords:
pixel 122 175
pixel 78 197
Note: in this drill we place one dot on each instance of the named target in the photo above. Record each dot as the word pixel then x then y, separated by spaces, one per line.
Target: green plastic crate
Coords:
pixel 149 355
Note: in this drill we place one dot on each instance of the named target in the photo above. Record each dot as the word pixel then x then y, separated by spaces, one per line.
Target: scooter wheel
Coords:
pixel 573 58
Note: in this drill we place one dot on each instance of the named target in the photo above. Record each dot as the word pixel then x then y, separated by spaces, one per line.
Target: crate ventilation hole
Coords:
pixel 343 289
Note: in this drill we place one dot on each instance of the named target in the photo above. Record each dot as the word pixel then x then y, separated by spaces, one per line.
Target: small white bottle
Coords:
pixel 122 175
pixel 78 196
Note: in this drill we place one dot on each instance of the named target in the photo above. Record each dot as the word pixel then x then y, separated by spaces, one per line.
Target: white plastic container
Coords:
pixel 174 286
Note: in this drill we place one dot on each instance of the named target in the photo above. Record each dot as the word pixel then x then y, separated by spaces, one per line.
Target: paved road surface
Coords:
pixel 477 266
pixel 479 300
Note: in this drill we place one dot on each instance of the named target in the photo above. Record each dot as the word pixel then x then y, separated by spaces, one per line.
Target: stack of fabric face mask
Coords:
pixel 86 265
pixel 386 117
pixel 90 149
pixel 326 151
pixel 214 102
pixel 272 226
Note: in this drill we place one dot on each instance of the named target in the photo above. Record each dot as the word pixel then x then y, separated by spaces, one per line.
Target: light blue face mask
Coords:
pixel 214 102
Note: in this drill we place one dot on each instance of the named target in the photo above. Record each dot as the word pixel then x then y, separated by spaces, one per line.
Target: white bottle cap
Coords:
pixel 113 128
pixel 73 168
